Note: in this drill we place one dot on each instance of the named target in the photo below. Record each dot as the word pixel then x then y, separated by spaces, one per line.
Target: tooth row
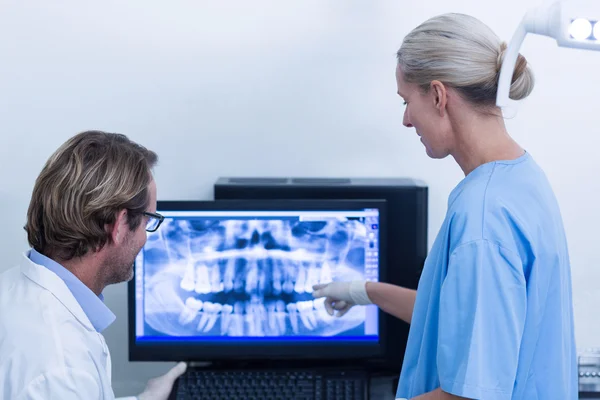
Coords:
pixel 253 318
pixel 284 277
pixel 208 254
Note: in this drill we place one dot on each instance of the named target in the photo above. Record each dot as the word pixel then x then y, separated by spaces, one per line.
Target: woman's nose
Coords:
pixel 405 120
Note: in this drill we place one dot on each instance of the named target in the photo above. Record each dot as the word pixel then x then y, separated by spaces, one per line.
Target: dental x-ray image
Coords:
pixel 235 277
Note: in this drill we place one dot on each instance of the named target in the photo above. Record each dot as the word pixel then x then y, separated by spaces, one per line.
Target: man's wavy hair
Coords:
pixel 80 190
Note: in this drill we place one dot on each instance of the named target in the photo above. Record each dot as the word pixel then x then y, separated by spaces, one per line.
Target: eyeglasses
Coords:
pixel 154 221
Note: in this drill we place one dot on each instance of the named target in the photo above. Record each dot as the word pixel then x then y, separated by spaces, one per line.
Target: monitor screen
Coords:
pixel 239 276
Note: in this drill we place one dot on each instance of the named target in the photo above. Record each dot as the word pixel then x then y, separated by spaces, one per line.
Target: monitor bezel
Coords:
pixel 214 351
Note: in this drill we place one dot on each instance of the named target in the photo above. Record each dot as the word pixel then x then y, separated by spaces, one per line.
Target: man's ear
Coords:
pixel 439 96
pixel 118 229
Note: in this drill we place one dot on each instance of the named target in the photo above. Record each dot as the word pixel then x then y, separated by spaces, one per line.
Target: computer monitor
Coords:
pixel 233 280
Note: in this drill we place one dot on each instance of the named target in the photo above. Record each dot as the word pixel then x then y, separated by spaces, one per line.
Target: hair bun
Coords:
pixel 520 65
pixel 522 81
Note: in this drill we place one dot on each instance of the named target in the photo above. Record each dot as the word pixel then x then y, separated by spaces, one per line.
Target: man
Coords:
pixel 90 208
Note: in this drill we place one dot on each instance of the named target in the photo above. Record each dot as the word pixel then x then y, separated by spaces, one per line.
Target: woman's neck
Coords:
pixel 479 139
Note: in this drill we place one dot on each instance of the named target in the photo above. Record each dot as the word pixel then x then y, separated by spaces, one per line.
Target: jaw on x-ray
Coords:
pixel 250 278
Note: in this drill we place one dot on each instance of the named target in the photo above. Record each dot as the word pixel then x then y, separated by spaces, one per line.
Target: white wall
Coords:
pixel 280 88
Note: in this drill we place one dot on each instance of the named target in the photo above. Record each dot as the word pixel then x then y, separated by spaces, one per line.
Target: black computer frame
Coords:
pixel 219 353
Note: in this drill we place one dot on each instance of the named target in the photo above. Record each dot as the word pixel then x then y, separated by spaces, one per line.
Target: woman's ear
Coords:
pixel 439 96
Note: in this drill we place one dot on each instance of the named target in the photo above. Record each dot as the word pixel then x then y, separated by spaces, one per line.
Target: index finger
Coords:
pixel 319 286
pixel 177 371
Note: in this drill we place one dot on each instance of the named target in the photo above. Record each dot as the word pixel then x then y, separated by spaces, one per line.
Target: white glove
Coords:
pixel 159 388
pixel 341 296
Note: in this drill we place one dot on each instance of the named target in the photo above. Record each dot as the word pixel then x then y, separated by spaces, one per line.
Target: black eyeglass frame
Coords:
pixel 157 216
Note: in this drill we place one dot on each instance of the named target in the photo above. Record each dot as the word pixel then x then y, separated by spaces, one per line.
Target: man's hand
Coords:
pixel 160 387
pixel 341 296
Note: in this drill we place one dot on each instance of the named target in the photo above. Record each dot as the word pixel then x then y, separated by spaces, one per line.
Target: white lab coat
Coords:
pixel 48 347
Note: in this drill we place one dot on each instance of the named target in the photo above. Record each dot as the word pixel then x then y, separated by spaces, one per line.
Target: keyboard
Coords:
pixel 198 384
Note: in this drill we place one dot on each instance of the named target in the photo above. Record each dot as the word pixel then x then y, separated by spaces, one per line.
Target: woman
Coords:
pixel 492 317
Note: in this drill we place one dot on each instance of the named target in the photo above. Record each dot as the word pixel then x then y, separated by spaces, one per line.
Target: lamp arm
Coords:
pixel 508 64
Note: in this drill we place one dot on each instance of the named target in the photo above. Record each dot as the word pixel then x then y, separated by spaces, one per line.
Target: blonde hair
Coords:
pixel 464 53
pixel 82 187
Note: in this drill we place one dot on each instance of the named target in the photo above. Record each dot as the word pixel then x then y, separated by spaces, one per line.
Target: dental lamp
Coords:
pixel 572 23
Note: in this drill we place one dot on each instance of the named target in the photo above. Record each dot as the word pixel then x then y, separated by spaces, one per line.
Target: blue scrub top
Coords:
pixel 493 316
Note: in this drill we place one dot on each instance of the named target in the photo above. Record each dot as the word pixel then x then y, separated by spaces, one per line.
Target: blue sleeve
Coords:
pixel 482 314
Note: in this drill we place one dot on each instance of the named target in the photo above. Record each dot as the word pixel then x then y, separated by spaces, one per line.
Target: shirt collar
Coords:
pixel 93 306
pixel 482 170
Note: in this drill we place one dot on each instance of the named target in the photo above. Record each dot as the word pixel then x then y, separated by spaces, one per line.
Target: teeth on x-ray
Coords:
pixel 226 318
pixel 228 275
pixel 250 278
pixel 190 311
pixel 209 316
pixel 325 275
pixel 280 315
pixel 292 309
pixel 216 284
pixel 300 280
pixel 307 314
pixel 202 280
pixel 188 283
pixel 237 320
